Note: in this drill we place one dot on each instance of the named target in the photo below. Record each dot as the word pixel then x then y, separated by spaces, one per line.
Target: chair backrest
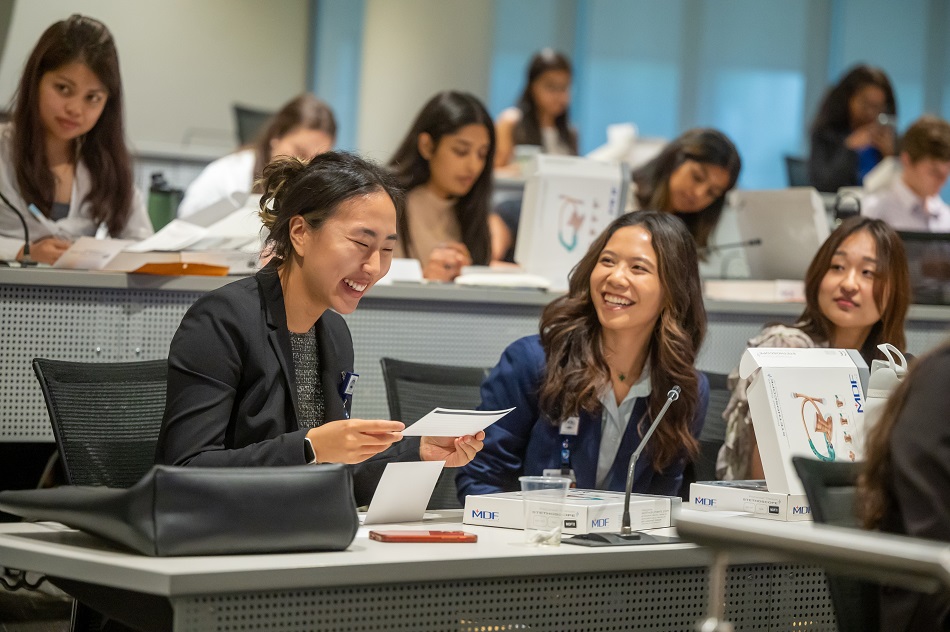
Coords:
pixel 831 488
pixel 249 121
pixel 703 468
pixel 413 389
pixel 796 168
pixel 105 416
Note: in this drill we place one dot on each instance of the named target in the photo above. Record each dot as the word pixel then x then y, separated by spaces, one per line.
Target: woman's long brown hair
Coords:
pixel 102 150
pixel 303 111
pixel 571 334
pixel 446 113
pixel 705 146
pixel 875 500
pixel 891 286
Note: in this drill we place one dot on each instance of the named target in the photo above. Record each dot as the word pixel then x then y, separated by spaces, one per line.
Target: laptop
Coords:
pixel 791 224
pixel 928 261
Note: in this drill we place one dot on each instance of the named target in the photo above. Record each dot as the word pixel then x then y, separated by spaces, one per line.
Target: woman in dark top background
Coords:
pixel 853 130
pixel 905 486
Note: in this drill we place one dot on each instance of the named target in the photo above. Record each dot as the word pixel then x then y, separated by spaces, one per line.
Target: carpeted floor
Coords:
pixel 26 611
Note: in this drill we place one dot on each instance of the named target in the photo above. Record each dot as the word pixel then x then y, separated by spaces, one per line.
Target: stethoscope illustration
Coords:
pixel 823 424
pixel 575 221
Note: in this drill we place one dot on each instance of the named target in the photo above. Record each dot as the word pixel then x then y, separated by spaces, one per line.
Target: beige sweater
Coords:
pixel 431 221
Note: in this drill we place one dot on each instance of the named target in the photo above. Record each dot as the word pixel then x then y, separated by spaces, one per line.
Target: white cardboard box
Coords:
pixel 750 290
pixel 568 201
pixel 585 511
pixel 749 496
pixel 804 402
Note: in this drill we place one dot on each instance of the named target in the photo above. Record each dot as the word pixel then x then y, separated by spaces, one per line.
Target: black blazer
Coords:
pixel 232 393
pixel 919 489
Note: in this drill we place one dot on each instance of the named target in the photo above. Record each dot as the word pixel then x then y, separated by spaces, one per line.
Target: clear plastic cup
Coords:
pixel 543 508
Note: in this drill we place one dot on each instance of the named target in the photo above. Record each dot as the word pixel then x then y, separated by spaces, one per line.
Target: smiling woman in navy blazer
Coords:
pixel 257 370
pixel 609 351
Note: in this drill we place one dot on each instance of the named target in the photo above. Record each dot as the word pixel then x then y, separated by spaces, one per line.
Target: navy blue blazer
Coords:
pixel 525 443
pixel 232 391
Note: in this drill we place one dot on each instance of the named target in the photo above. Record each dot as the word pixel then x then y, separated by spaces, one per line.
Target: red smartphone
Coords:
pixel 423 536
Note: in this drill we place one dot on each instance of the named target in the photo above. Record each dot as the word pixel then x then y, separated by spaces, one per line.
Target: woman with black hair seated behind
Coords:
pixel 853 130
pixel 444 165
pixel 690 178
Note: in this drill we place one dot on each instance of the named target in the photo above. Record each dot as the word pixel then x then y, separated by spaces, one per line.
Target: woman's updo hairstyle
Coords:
pixel 316 189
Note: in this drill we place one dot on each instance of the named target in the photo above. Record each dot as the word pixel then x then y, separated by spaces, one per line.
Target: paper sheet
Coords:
pixel 403 492
pixel 444 422
pixel 89 253
pixel 174 236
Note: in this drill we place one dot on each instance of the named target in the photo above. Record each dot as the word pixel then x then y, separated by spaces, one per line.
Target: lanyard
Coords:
pixel 347 386
pixel 565 455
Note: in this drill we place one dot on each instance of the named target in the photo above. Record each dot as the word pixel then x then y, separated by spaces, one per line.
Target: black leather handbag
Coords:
pixel 208 511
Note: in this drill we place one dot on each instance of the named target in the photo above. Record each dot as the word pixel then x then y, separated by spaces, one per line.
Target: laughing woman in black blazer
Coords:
pixel 256 369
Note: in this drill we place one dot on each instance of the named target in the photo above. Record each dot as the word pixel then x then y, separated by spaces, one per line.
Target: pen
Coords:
pixel 49 225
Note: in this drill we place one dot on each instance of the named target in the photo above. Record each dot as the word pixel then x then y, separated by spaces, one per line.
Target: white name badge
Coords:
pixel 570 426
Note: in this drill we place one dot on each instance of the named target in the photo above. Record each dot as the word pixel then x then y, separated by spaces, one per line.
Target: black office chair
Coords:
pixel 703 468
pixel 249 122
pixel 105 417
pixel 831 488
pixel 796 169
pixel 413 389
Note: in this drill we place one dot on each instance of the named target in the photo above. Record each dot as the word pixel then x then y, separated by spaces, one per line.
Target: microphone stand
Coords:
pixel 724 264
pixel 739 244
pixel 627 535
pixel 26 260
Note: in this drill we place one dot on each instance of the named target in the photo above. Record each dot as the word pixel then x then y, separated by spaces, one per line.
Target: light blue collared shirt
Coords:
pixel 614 421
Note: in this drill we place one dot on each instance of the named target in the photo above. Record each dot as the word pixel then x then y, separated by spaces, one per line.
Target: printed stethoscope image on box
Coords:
pixel 824 425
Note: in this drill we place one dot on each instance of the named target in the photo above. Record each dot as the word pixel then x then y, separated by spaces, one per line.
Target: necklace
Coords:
pixel 622 377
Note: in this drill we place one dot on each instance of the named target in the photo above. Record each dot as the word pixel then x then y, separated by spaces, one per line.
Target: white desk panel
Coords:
pixel 109 317
pixel 384 586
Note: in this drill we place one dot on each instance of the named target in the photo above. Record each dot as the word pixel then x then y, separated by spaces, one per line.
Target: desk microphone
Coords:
pixel 26 260
pixel 739 244
pixel 627 535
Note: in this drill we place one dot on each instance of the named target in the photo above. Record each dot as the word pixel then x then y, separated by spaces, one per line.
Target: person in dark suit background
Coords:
pixel 257 370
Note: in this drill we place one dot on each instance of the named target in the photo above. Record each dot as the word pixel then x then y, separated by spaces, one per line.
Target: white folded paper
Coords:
pixel 403 492
pixel 443 422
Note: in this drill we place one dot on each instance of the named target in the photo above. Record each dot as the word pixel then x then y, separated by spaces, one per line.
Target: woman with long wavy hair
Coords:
pixel 587 387
pixel 857 292
pixel 905 485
